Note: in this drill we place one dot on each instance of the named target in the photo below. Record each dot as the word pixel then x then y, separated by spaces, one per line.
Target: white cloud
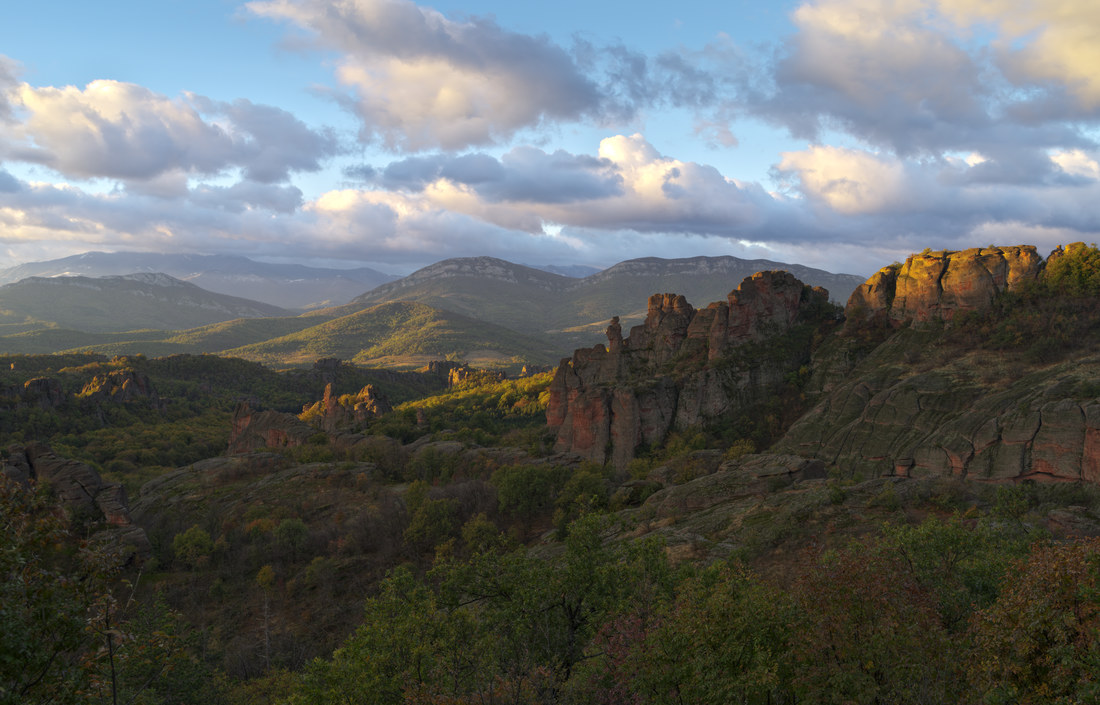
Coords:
pixel 1075 162
pixel 423 81
pixel 851 181
pixel 110 129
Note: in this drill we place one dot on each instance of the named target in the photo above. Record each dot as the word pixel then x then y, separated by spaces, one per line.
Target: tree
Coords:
pixel 193 547
pixel 41 593
pixel 868 633
pixel 1040 641
pixel 725 639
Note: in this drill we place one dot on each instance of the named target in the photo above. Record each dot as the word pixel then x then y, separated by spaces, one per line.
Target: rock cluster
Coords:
pixel 936 286
pixel 456 373
pixel 607 401
pixel 121 386
pixel 86 497
pixel 41 392
pixel 334 413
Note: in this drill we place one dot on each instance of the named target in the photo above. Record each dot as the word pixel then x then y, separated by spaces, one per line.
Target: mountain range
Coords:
pixel 480 308
pixel 291 286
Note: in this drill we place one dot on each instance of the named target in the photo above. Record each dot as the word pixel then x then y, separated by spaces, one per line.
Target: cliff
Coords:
pixel 674 370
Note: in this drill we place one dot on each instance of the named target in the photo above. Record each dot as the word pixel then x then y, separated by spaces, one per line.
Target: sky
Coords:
pixel 840 134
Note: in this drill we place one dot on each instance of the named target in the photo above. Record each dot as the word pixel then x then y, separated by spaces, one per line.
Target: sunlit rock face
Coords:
pixel 607 401
pixel 936 286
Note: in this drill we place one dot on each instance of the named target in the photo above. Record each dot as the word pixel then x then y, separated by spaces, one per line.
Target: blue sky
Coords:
pixel 842 134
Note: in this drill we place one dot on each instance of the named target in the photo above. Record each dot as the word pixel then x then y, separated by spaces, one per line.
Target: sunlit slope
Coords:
pixel 397 334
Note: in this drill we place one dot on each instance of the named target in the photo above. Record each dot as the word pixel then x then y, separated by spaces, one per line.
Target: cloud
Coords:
pixel 423 81
pixel 124 131
pixel 524 174
pixel 858 195
pixel 420 81
pixel 628 184
pixel 917 77
pixel 8 183
pixel 1041 43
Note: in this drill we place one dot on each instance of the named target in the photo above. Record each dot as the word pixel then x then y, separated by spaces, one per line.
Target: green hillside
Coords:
pixel 399 334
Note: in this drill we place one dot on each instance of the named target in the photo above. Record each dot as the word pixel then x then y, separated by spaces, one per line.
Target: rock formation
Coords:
pixel 86 497
pixel 935 286
pixel 607 401
pixel 882 421
pixel 256 430
pixel 967 414
pixel 40 393
pixel 335 413
pixel 120 386
pixel 455 373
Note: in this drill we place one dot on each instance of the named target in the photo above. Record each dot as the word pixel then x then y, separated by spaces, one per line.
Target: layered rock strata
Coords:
pixel 607 401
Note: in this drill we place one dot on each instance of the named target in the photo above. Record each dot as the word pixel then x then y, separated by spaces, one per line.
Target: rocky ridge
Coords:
pixel 937 286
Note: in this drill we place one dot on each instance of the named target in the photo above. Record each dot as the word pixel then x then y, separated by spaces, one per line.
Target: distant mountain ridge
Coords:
pixel 293 286
pixel 534 301
pixel 123 303
pixel 506 313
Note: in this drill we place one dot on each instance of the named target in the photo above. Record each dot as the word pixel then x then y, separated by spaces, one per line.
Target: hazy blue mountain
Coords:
pixel 285 285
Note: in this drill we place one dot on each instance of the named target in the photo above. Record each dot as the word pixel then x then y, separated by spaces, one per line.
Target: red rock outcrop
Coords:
pixel 946 422
pixel 605 402
pixel 935 286
pixel 256 430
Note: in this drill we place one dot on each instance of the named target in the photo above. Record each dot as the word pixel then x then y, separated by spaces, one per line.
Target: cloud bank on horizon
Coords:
pixel 896 125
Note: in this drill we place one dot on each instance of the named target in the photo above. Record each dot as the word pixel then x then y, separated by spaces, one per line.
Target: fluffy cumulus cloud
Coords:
pixel 127 132
pixel 421 80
